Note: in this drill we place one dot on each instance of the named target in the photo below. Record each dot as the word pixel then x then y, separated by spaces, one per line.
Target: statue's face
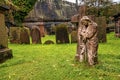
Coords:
pixel 84 22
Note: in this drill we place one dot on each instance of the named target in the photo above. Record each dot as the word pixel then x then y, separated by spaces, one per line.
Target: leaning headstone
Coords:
pixel 24 36
pixel 14 34
pixel 5 53
pixel 62 34
pixel 49 42
pixel 35 34
pixel 101 21
pixel 74 37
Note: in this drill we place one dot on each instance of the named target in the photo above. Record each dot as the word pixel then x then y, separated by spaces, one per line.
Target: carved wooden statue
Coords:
pixel 89 41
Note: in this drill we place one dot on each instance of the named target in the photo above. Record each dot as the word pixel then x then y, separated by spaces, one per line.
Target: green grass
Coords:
pixel 56 62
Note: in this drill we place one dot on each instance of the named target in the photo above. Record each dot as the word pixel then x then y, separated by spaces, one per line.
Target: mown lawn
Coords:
pixel 56 62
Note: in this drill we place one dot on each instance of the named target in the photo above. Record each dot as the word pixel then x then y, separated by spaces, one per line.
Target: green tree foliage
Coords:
pixel 97 7
pixel 105 8
pixel 25 6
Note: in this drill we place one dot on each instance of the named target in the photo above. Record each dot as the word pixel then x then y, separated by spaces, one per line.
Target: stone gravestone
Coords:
pixel 62 35
pixel 74 37
pixel 24 36
pixel 42 29
pixel 5 53
pixel 14 34
pixel 35 34
pixel 101 21
pixel 117 25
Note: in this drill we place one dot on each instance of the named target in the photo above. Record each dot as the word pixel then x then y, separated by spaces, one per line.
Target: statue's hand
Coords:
pixel 83 33
pixel 84 39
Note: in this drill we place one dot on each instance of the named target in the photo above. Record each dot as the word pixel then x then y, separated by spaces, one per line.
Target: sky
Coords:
pixel 75 0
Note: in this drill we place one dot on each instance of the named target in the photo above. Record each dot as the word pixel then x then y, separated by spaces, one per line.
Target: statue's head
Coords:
pixel 85 20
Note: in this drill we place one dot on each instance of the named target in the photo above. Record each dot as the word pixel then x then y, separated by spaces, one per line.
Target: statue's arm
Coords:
pixel 92 29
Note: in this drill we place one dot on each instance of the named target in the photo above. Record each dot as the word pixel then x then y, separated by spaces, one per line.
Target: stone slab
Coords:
pixel 5 54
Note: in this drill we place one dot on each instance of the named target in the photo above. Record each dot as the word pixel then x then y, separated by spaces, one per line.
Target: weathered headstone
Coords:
pixel 24 36
pixel 62 34
pixel 35 34
pixel 14 34
pixel 117 28
pixel 117 25
pixel 5 53
pixel 42 29
pixel 101 21
pixel 74 37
